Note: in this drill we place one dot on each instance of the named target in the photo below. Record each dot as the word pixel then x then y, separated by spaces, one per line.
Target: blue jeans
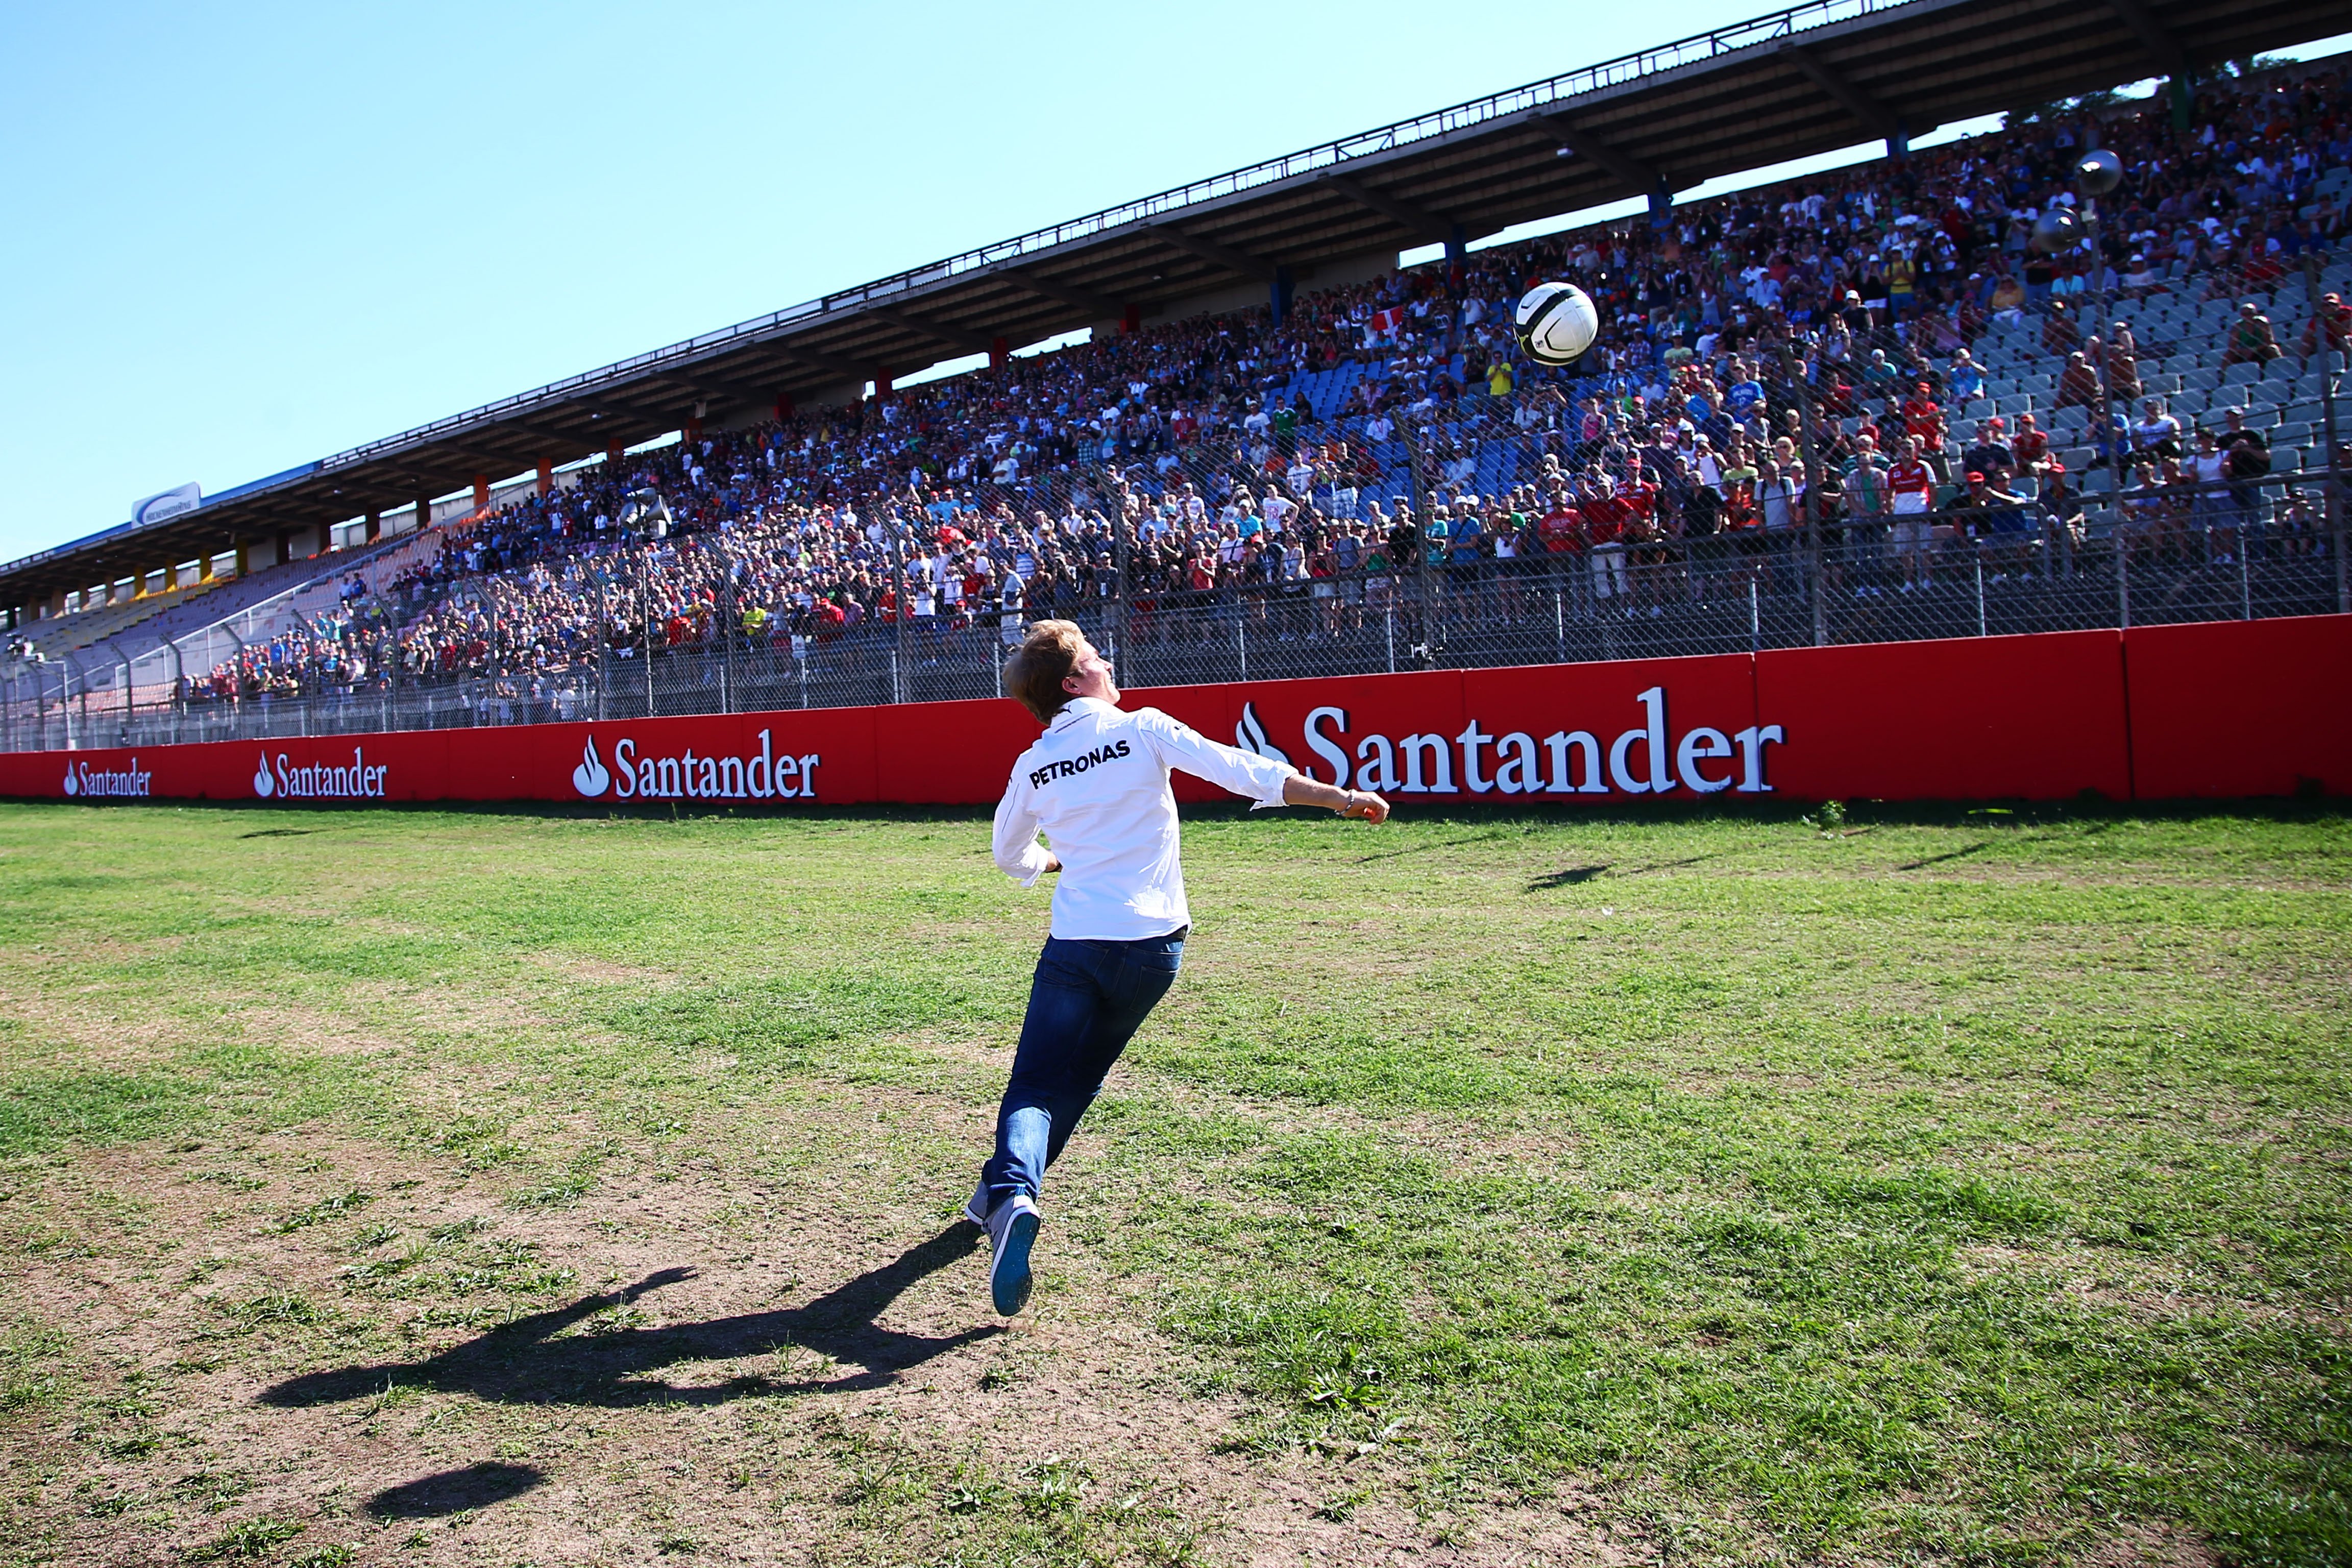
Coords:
pixel 1087 1001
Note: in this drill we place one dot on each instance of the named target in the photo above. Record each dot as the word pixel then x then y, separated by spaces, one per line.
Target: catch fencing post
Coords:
pixel 726 641
pixel 901 660
pixel 179 687
pixel 1794 373
pixel 1122 526
pixel 2334 483
pixel 2123 560
pixel 645 615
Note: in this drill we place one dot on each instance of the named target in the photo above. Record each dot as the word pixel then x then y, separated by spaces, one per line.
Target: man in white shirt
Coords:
pixel 1097 784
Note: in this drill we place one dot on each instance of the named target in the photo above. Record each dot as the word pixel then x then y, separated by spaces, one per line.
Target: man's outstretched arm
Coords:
pixel 1300 790
pixel 1246 774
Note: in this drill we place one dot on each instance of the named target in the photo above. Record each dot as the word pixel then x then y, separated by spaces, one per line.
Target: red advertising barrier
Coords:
pixel 2240 708
pixel 2223 709
pixel 2033 718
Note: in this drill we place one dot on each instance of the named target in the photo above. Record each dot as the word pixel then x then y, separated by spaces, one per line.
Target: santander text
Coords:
pixel 763 776
pixel 1647 759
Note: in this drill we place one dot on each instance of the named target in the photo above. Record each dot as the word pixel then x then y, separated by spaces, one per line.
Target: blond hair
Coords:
pixel 1047 657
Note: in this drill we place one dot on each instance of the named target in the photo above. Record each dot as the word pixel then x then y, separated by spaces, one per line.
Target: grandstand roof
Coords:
pixel 1809 80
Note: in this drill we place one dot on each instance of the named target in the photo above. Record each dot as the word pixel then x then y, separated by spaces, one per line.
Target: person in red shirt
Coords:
pixel 1561 531
pixel 2031 447
pixel 1923 420
pixel 2333 321
pixel 1604 535
pixel 1637 499
pixel 1911 486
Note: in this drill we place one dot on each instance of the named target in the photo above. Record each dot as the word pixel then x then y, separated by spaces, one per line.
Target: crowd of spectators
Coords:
pixel 1785 363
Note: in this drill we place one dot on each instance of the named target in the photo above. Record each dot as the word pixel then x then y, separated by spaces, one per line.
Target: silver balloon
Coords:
pixel 2098 172
pixel 2055 230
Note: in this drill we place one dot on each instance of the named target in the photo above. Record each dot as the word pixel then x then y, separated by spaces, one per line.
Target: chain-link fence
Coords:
pixel 2028 461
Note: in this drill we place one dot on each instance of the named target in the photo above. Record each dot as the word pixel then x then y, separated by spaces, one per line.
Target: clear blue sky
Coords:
pixel 243 236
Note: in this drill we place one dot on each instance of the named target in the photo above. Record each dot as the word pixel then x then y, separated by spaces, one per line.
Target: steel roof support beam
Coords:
pixel 954 337
pixel 542 433
pixel 1874 115
pixel 1240 263
pixel 821 360
pixel 1416 219
pixel 2157 40
pixel 1596 149
pixel 708 385
pixel 1094 305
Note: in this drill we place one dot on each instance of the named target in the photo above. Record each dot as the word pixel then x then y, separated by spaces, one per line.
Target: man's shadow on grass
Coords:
pixel 532 1360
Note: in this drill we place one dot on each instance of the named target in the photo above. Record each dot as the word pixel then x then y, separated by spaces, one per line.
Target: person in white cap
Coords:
pixel 1096 782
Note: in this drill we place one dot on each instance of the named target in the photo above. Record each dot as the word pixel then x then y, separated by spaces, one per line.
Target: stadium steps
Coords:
pixel 233 597
pixel 56 636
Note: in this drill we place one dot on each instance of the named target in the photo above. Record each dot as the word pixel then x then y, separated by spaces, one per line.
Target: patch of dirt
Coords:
pixel 2149 1546
pixel 604 970
pixel 702 1359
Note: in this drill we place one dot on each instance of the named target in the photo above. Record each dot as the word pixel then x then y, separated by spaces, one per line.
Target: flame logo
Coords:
pixel 1250 736
pixel 73 780
pixel 590 777
pixel 264 784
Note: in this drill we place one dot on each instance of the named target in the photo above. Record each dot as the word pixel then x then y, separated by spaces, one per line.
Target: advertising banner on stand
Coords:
pixel 2217 708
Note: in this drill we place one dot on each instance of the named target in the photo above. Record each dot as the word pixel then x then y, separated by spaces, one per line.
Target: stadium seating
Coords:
pixel 923 507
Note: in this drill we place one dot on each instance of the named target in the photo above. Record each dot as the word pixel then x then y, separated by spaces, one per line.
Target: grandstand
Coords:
pixel 1321 463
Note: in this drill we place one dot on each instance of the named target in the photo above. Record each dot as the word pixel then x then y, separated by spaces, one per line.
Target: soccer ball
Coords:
pixel 1556 323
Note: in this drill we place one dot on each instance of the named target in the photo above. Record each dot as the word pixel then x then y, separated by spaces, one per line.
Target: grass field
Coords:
pixel 471 1188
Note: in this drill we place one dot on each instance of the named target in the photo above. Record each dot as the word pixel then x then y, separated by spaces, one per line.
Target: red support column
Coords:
pixel 374 528
pixel 999 351
pixel 546 475
pixel 613 455
pixel 481 492
pixel 783 407
pixel 882 392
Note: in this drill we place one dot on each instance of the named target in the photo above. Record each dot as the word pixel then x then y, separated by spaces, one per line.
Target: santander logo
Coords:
pixel 86 782
pixel 1249 735
pixel 358 779
pixel 643 774
pixel 1649 758
pixel 590 778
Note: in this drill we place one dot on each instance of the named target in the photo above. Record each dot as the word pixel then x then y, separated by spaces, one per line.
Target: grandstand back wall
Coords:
pixel 2212 710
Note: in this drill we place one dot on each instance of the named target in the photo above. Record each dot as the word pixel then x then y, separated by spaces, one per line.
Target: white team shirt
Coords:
pixel 1096 783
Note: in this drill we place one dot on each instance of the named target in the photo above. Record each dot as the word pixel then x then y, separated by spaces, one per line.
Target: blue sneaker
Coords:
pixel 1011 1231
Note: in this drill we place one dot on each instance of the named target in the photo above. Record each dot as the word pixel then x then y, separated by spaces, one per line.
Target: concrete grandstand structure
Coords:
pixel 1798 82
pixel 1358 472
